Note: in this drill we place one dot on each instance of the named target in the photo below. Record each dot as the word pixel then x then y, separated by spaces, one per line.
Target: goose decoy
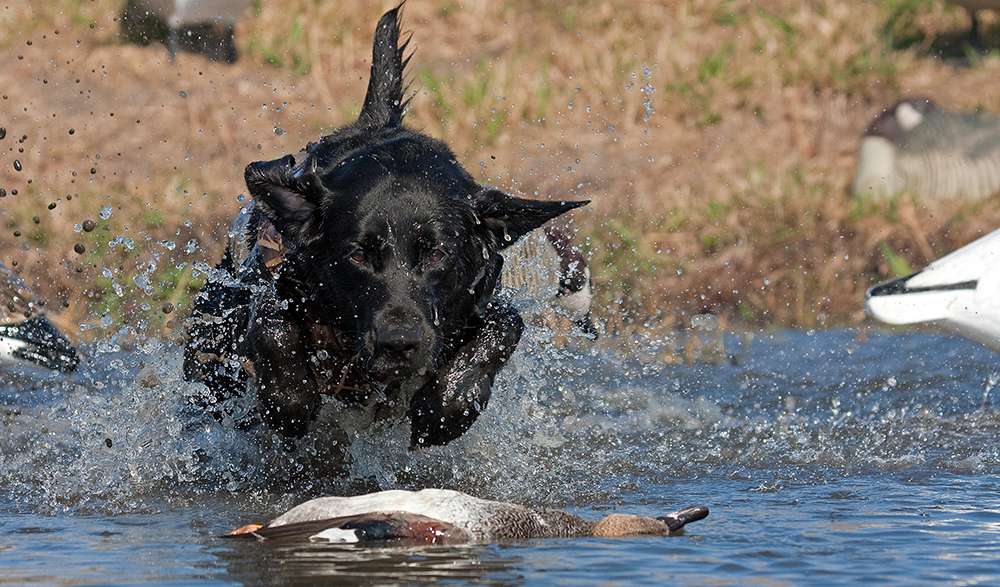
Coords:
pixel 960 291
pixel 916 147
pixel 441 516
pixel 144 20
pixel 549 266
pixel 26 335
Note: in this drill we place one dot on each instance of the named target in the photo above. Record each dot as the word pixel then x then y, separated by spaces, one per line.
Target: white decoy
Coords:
pixel 960 291
pixel 26 335
pixel 179 14
pixel 915 147
pixel 441 516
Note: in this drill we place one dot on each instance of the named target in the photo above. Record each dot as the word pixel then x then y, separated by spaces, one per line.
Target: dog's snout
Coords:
pixel 400 340
pixel 399 333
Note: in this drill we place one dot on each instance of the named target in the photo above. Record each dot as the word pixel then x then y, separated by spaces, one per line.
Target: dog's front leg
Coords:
pixel 289 400
pixel 450 403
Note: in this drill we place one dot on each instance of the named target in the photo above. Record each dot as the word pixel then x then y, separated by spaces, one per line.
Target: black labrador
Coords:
pixel 366 268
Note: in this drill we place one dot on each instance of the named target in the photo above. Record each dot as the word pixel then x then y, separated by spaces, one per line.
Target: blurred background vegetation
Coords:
pixel 716 138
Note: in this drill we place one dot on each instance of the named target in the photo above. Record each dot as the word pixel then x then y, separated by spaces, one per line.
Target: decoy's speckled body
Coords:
pixel 916 147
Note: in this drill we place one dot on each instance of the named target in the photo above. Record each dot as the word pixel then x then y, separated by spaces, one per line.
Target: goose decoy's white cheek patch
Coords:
pixel 908 116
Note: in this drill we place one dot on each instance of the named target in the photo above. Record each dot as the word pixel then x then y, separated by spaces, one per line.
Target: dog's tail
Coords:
pixel 384 104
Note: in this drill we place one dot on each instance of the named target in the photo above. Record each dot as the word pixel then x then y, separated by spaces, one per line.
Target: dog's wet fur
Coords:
pixel 367 268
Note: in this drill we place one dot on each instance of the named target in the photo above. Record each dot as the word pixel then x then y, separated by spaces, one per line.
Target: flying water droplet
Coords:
pixel 647 92
pixel 106 212
pixel 142 282
pixel 121 241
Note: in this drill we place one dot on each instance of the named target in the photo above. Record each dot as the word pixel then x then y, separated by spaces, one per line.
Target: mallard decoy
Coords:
pixel 549 266
pixel 960 291
pixel 441 516
pixel 916 147
pixel 26 335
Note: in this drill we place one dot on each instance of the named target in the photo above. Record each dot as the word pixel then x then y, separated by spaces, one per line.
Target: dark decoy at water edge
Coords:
pixel 26 335
pixel 440 516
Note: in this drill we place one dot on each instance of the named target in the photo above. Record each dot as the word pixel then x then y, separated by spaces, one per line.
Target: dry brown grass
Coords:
pixel 716 139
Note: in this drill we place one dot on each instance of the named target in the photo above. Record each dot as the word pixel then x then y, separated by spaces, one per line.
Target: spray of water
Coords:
pixel 569 420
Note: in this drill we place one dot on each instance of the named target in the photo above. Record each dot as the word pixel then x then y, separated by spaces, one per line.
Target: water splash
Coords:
pixel 647 90
pixel 565 423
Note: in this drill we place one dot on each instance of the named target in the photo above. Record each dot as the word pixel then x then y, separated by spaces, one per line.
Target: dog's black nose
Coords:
pixel 400 341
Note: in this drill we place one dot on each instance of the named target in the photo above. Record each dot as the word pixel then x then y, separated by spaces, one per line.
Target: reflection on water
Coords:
pixel 823 457
pixel 365 566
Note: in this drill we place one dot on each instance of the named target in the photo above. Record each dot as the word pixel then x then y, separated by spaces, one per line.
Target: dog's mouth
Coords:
pixel 389 368
pixel 389 365
pixel 397 347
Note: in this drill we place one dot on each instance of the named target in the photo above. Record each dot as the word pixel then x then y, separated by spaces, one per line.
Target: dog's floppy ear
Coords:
pixel 285 193
pixel 384 103
pixel 508 218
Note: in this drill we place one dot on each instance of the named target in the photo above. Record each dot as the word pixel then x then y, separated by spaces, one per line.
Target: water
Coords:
pixel 825 458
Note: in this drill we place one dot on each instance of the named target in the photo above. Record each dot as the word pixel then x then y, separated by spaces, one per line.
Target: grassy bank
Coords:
pixel 716 140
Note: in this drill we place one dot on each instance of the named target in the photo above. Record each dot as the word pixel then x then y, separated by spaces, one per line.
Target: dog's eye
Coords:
pixel 437 255
pixel 358 256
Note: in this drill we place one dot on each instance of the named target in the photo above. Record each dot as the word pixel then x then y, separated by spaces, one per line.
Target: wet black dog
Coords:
pixel 365 268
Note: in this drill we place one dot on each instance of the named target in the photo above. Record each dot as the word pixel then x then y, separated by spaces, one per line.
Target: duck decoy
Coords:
pixel 916 147
pixel 441 516
pixel 960 291
pixel 26 335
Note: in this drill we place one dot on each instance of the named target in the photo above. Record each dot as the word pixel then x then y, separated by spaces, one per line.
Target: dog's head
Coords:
pixel 389 240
